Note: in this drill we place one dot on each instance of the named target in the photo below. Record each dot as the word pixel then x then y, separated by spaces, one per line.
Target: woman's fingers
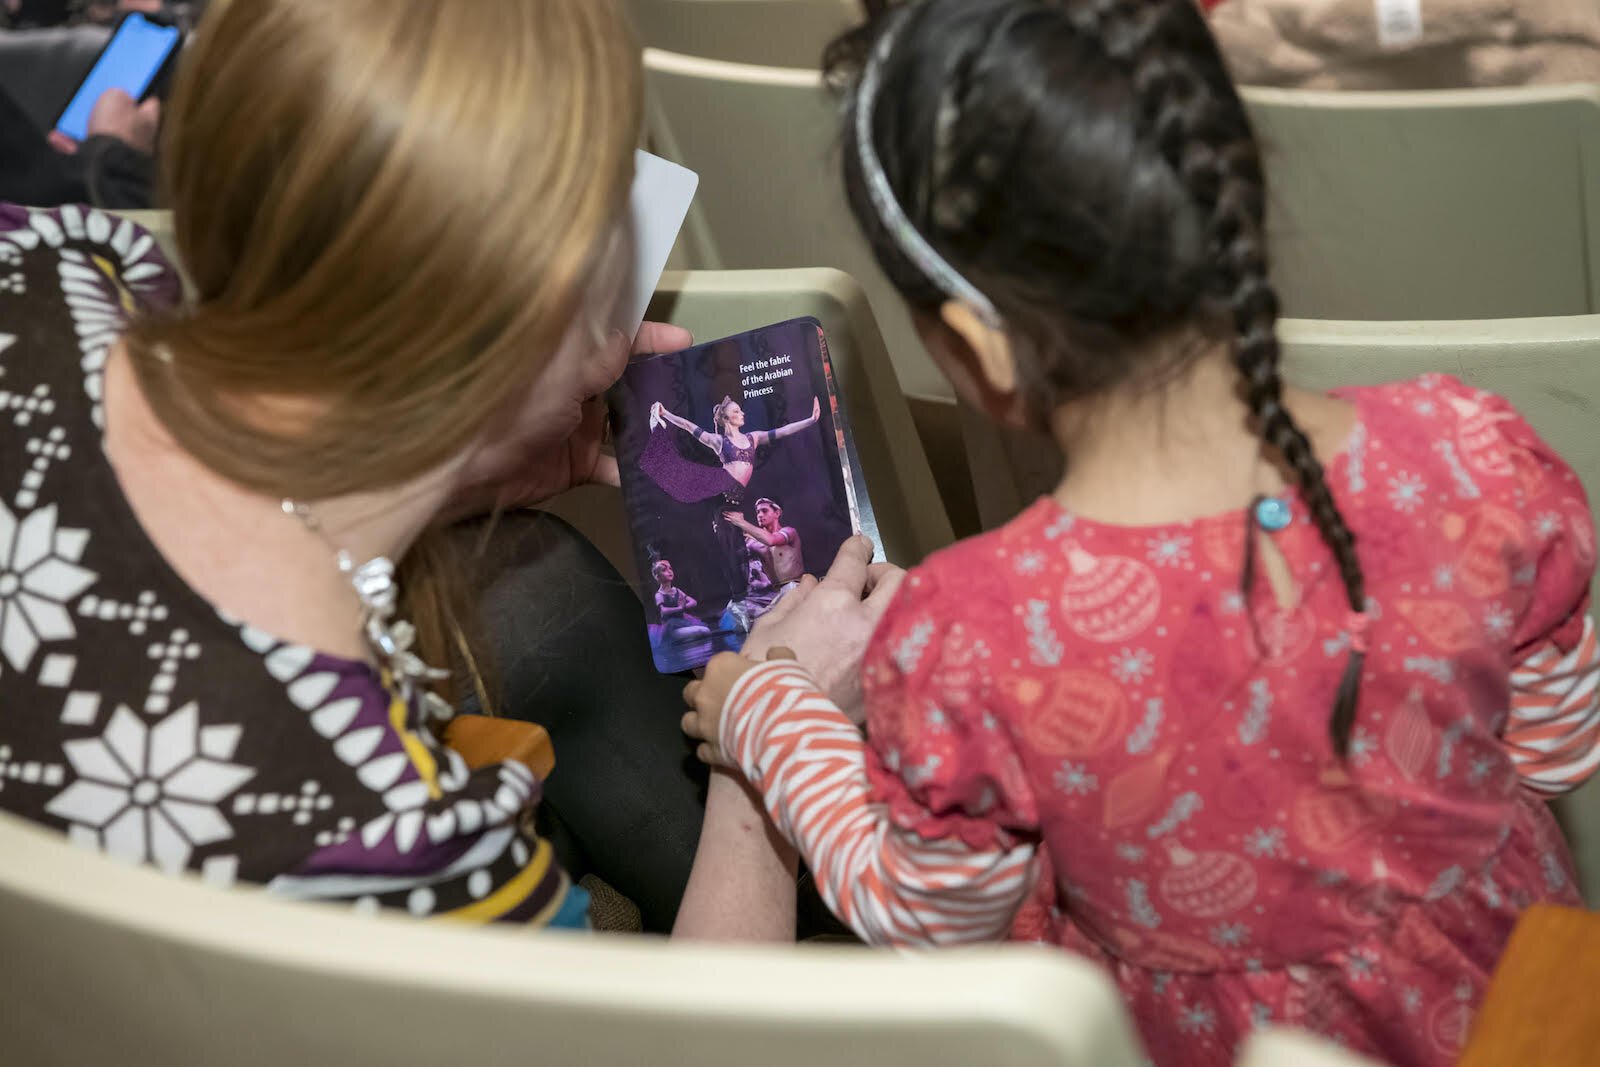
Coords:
pixel 787 603
pixel 883 581
pixel 849 570
pixel 660 337
pixel 606 472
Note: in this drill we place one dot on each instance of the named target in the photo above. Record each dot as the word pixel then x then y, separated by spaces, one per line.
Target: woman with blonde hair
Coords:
pixel 400 226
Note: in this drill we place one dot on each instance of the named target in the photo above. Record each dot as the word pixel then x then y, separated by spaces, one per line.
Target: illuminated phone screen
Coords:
pixel 130 62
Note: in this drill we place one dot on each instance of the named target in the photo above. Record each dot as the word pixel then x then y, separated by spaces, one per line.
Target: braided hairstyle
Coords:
pixel 1089 166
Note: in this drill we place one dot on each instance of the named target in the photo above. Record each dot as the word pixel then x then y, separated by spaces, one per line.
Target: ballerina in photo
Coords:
pixel 735 451
pixel 674 606
pixel 679 639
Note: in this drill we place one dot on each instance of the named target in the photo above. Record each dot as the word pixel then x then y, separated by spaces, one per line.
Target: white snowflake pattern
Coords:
pixel 918 775
pixel 152 792
pixel 1424 408
pixel 1411 999
pixel 1060 528
pixel 1132 665
pixel 1406 492
pixel 1362 746
pixel 1232 602
pixel 908 652
pixel 1446 882
pixel 1547 525
pixel 1479 770
pixel 39 574
pixel 1131 852
pixel 1362 966
pixel 1229 935
pixel 1045 647
pixel 1169 550
pixel 1197 1019
pixel 1265 842
pixel 1029 563
pixel 1444 577
pixel 1074 779
pixel 1498 620
pixel 1555 877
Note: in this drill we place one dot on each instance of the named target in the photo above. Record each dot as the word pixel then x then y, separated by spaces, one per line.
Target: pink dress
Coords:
pixel 1096 702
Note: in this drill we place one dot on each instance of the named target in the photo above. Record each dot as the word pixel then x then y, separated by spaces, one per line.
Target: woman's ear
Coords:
pixel 985 366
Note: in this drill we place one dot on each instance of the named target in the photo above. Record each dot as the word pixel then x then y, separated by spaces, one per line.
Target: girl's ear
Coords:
pixel 984 366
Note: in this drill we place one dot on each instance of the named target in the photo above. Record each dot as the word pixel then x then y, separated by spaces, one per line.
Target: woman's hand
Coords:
pixel 116 114
pixel 561 448
pixel 828 623
pixel 816 409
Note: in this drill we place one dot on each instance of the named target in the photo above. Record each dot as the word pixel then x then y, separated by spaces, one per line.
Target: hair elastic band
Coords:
pixel 1355 624
pixel 916 247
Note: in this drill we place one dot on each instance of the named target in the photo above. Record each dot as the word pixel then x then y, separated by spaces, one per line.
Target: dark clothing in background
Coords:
pixel 39 71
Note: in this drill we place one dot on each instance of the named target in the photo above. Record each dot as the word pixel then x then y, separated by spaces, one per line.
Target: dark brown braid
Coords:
pixel 1200 126
pixel 1089 165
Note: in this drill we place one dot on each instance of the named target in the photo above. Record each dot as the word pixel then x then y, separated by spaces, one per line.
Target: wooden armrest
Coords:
pixel 483 740
pixel 1541 1007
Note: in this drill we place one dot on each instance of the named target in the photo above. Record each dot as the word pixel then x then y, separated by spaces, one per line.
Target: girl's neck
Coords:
pixel 237 548
pixel 1174 451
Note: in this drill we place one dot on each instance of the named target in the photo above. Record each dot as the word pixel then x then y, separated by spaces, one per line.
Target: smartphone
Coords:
pixel 137 53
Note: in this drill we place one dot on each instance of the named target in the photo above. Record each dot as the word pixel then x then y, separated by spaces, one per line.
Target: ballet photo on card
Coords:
pixel 739 477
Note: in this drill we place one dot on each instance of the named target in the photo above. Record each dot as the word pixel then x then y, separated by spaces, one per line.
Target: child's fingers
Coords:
pixel 690 723
pixel 706 754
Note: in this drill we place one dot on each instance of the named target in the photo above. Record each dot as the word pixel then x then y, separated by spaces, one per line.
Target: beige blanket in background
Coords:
pixel 1334 44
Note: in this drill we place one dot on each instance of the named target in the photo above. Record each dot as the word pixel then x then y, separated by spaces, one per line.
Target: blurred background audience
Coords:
pixel 1409 44
pixel 46 49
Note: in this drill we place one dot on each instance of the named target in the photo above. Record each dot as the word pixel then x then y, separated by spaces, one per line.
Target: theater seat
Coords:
pixel 1459 204
pixel 105 963
pixel 784 33
pixel 1277 1046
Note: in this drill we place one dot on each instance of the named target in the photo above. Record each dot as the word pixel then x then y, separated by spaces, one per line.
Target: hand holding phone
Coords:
pixel 139 50
pixel 116 114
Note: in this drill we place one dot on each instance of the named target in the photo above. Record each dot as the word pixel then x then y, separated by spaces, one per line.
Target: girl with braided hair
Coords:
pixel 1260 707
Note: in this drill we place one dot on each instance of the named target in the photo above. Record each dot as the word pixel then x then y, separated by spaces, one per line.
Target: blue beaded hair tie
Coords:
pixel 1272 513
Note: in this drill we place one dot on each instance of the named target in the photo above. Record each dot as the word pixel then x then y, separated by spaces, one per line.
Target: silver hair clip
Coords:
pixel 937 269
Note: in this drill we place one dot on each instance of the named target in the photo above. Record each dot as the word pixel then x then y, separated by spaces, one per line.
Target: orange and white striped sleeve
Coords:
pixel 889 885
pixel 1553 731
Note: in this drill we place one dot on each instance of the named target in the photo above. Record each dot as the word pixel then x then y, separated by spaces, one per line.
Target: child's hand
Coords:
pixel 706 697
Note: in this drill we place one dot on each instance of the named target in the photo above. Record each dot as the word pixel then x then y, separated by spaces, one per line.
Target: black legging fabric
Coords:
pixel 626 799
